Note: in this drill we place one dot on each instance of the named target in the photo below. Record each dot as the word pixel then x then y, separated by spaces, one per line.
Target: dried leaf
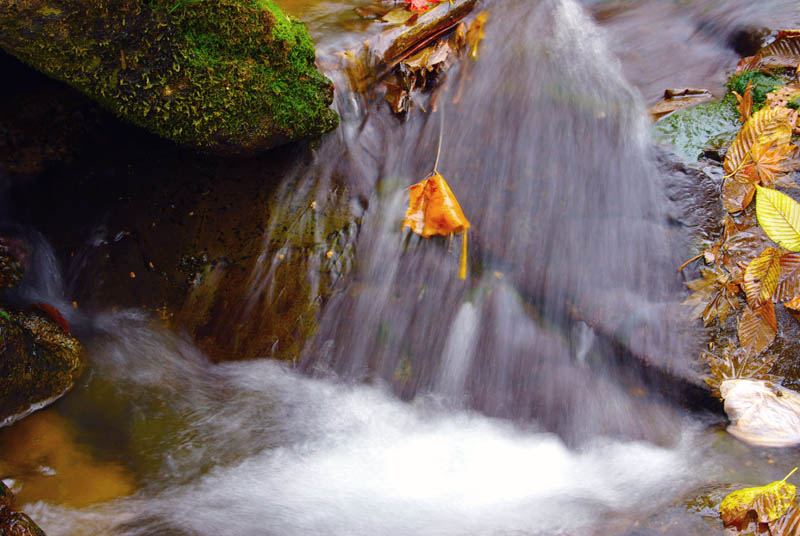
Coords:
pixel 714 296
pixel 788 524
pixel 782 53
pixel 675 99
pixel 769 502
pixel 789 283
pixel 779 216
pixel 745 106
pixel 757 328
pixel 761 277
pixel 765 126
pixel 475 34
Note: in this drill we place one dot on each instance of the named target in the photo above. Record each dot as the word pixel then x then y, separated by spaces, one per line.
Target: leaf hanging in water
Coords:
pixel 788 524
pixel 779 216
pixel 761 277
pixel 757 328
pixel 475 34
pixel 434 210
pixel 769 502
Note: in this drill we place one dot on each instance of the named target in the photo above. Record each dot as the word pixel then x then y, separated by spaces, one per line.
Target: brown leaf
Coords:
pixel 736 363
pixel 765 126
pixel 761 277
pixel 789 283
pixel 713 297
pixel 737 194
pixel 757 328
pixel 784 52
pixel 675 99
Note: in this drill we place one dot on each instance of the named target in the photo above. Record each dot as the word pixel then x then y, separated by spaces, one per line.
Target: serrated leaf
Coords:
pixel 761 277
pixel 779 216
pixel 783 52
pixel 745 103
pixel 769 502
pixel 789 282
pixel 757 328
pixel 788 524
pixel 713 296
pixel 765 126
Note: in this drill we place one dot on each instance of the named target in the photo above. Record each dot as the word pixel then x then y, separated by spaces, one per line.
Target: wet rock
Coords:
pixel 14 523
pixel 39 362
pixel 12 258
pixel 227 76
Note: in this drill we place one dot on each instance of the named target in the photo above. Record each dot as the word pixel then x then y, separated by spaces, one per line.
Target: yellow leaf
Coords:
pixel 779 216
pixel 475 34
pixel 770 502
pixel 765 126
pixel 761 277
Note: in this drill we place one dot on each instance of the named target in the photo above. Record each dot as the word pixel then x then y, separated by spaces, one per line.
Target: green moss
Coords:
pixel 762 84
pixel 690 130
pixel 228 75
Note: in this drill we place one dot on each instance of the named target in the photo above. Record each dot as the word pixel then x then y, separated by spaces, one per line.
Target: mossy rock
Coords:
pixel 12 267
pixel 39 362
pixel 227 76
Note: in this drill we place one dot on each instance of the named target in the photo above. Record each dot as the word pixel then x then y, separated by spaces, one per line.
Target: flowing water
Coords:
pixel 516 402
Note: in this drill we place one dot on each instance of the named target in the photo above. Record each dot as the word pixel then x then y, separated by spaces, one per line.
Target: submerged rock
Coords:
pixel 228 76
pixel 761 412
pixel 39 362
pixel 12 522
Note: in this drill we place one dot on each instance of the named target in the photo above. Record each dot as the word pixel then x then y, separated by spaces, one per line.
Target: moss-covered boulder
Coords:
pixel 228 76
pixel 12 259
pixel 39 362
pixel 12 522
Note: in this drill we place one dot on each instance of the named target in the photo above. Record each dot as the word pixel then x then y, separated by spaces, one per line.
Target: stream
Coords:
pixel 549 393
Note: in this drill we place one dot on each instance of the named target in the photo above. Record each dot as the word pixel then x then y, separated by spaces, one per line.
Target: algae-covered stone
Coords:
pixel 229 76
pixel 39 362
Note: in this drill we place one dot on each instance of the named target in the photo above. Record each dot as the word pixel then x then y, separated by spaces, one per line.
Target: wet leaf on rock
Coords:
pixel 789 284
pixel 757 328
pixel 398 16
pixel 769 502
pixel 737 363
pixel 715 294
pixel 761 277
pixel 779 216
pixel 784 52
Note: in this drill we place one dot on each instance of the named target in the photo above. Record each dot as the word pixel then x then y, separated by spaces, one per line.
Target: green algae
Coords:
pixel 762 84
pixel 231 76
pixel 690 130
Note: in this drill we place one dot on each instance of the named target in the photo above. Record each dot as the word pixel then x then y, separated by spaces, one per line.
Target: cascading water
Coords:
pixel 571 264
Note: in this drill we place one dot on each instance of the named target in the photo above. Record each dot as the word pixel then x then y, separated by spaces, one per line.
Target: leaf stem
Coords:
pixel 441 130
pixel 682 266
pixel 790 474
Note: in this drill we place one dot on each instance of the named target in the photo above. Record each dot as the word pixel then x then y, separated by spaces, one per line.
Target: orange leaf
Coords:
pixel 757 328
pixel 745 105
pixel 434 210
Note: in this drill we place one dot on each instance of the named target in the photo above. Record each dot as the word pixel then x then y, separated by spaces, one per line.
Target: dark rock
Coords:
pixel 227 76
pixel 39 362
pixel 12 262
pixel 14 523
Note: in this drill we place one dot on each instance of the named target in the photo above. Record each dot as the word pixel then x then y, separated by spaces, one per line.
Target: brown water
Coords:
pixel 509 403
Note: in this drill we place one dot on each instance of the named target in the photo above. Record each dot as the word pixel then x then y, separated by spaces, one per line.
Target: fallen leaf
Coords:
pixel 769 502
pixel 789 282
pixel 419 6
pixel 714 296
pixel 779 216
pixel 736 363
pixel 53 314
pixel 675 99
pixel 761 277
pixel 788 524
pixel 757 328
pixel 784 52
pixel 397 16
pixel 745 103
pixel 764 126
